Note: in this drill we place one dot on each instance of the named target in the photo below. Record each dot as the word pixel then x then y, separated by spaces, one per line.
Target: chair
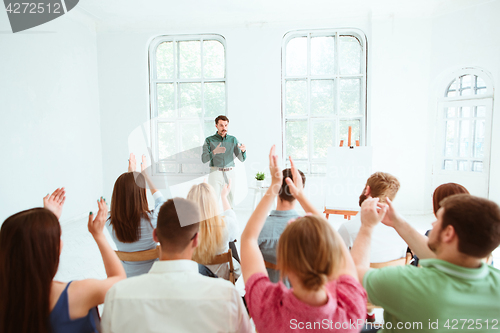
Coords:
pixel 139 255
pixel 233 248
pixel 223 258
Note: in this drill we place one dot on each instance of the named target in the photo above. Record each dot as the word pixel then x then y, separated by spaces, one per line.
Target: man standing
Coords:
pixel 220 149
pixel 173 296
pixel 453 289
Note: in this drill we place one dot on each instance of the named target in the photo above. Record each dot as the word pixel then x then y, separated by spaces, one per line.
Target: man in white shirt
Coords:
pixel 386 243
pixel 173 296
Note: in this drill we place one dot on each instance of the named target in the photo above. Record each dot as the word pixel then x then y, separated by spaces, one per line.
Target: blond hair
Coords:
pixel 310 249
pixel 212 225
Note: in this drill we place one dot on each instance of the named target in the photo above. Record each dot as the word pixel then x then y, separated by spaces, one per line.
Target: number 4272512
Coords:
pixel 471 324
pixel 33 8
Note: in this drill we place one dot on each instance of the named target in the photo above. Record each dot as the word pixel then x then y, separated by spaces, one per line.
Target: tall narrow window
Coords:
pixel 465 121
pixel 324 89
pixel 187 92
pixel 464 132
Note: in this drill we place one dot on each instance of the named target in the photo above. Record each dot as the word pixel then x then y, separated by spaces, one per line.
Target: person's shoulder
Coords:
pixel 274 225
pixel 494 271
pixel 215 282
pixel 229 213
pixel 133 282
pixel 398 273
pixel 211 137
pixel 352 226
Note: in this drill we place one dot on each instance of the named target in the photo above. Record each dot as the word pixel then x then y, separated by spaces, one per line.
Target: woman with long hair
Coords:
pixel 30 300
pixel 315 260
pixel 440 193
pixel 131 223
pixel 216 231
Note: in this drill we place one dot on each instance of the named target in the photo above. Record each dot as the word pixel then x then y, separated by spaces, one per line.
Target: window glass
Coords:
pixel 188 91
pixel 324 88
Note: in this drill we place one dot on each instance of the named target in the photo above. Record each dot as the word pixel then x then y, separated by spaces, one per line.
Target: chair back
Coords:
pixel 226 257
pixel 139 255
pixel 270 265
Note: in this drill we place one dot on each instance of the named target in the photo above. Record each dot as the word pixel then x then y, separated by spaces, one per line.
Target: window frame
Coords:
pixel 472 100
pixel 153 97
pixel 309 33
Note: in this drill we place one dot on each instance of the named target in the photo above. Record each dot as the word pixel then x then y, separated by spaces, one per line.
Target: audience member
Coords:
pixel 131 223
pixel 216 231
pixel 454 287
pixel 386 244
pixel 276 223
pixel 443 191
pixel 30 300
pixel 326 294
pixel 440 193
pixel 173 296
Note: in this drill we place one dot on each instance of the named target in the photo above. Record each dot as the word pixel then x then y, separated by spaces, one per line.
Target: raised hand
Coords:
pixel 243 148
pixel 226 189
pixel 96 225
pixel 219 149
pixel 144 163
pixel 275 169
pixel 131 163
pixel 55 201
pixel 296 186
pixel 372 212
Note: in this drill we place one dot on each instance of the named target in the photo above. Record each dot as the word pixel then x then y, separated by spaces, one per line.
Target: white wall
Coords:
pixel 470 38
pixel 50 122
pixel 64 96
pixel 398 78
pixel 254 89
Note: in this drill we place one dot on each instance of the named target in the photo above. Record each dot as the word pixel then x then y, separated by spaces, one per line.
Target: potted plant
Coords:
pixel 260 176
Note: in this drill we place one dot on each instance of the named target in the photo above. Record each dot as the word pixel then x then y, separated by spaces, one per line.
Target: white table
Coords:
pixel 259 191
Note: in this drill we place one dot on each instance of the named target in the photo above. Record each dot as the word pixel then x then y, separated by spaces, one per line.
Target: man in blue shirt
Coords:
pixel 220 149
pixel 275 223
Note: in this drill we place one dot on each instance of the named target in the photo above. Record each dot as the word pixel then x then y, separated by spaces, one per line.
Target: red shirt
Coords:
pixel 275 309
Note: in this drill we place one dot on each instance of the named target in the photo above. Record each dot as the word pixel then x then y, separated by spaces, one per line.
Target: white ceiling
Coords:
pixel 126 14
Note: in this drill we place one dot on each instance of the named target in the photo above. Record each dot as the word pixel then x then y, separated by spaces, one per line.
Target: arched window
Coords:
pixel 465 114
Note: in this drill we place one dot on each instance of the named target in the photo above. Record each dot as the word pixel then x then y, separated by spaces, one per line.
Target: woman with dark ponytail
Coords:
pixel 30 300
pixel 326 294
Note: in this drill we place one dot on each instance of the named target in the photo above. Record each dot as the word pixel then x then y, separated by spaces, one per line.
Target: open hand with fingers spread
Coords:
pixel 296 186
pixel 55 201
pixel 372 212
pixel 96 224
pixel 392 217
pixel 275 169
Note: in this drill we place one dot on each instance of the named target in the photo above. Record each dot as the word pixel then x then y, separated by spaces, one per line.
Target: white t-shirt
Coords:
pixel 174 297
pixel 386 243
